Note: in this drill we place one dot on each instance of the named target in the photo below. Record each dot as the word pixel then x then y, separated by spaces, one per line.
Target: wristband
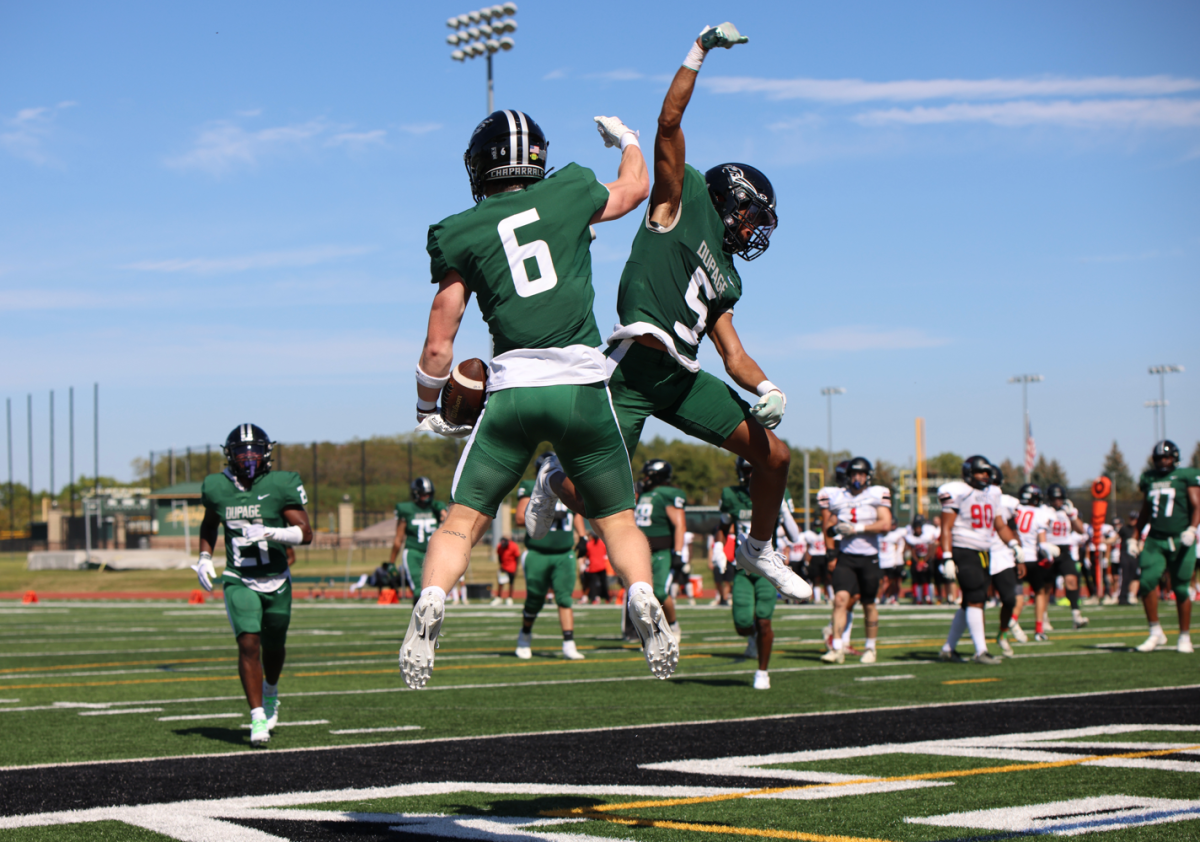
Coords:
pixel 426 406
pixel 428 382
pixel 629 139
pixel 695 57
pixel 1015 546
pixel 767 386
pixel 206 556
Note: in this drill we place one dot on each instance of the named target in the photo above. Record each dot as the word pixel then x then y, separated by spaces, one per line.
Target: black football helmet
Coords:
pixel 422 490
pixel 976 465
pixel 839 473
pixel 656 472
pixel 1030 495
pixel 859 465
pixel 997 475
pixel 745 201
pixel 506 146
pixel 1163 451
pixel 248 453
pixel 744 470
pixel 918 523
pixel 1056 495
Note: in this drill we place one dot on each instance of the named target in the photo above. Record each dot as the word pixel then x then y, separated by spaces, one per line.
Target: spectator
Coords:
pixel 509 554
pixel 596 574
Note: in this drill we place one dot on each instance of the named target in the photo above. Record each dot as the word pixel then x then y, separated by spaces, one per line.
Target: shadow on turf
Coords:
pixel 236 737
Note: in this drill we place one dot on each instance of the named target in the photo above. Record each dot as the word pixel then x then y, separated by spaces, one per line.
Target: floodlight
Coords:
pixel 486 30
pixel 473 32
pixel 463 20
pixel 496 11
pixel 507 44
pixel 474 16
pixel 452 22
pixel 509 8
pixel 458 55
pixel 452 38
pixel 492 45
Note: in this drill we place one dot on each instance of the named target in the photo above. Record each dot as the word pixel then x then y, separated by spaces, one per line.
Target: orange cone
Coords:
pixel 30 596
pixel 387 596
pixel 197 597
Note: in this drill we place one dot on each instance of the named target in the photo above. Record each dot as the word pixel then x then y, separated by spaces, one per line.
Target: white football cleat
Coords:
pixel 420 641
pixel 1005 647
pixel 539 513
pixel 271 709
pixel 771 566
pixel 1153 642
pixel 260 733
pixel 762 680
pixel 834 656
pixel 1018 633
pixel 658 644
pixel 571 652
pixel 1185 644
pixel 525 646
pixel 868 657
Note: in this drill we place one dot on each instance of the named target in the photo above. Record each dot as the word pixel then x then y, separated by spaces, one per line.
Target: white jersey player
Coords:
pixel 1007 569
pixel 921 540
pixel 1065 532
pixel 891 563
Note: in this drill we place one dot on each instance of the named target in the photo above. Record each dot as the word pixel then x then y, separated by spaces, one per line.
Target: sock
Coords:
pixel 1073 596
pixel 755 547
pixel 870 643
pixel 258 715
pixel 1187 635
pixel 527 624
pixel 957 626
pixel 270 689
pixel 1015 614
pixel 1156 629
pixel 975 624
pixel 1076 614
pixel 568 634
pixel 435 591
pixel 837 644
pixel 1037 626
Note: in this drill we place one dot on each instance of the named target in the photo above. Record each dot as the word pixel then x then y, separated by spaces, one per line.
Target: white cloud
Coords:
pixel 27 132
pixel 557 73
pixel 864 338
pixel 621 75
pixel 357 140
pixel 421 128
pixel 261 260
pixel 912 90
pixel 1150 113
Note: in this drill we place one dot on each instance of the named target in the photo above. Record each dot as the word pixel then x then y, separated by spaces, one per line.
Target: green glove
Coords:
pixel 725 35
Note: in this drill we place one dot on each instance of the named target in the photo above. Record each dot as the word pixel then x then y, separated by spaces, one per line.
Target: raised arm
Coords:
pixel 633 183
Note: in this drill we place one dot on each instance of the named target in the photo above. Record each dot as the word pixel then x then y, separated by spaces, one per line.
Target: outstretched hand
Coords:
pixel 725 35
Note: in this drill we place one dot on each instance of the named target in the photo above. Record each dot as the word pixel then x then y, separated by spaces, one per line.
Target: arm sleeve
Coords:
pixel 789 523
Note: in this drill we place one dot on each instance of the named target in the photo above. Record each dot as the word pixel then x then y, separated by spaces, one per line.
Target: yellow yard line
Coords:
pixel 734 831
pixel 972 681
pixel 118 664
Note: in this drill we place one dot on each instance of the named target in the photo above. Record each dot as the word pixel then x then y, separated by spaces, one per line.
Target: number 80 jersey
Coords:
pixel 976 510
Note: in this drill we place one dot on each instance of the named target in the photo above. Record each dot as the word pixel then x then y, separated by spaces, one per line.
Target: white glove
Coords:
pixel 950 570
pixel 1070 510
pixel 1132 547
pixel 435 423
pixel 205 571
pixel 1015 546
pixel 770 408
pixel 612 130
pixel 725 35
pixel 255 532
pixel 1188 536
pixel 718 558
pixel 849 528
pixel 1051 550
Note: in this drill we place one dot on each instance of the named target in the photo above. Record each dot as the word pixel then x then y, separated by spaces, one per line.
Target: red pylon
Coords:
pixel 30 596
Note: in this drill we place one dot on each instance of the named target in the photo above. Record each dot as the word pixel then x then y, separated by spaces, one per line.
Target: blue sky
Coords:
pixel 218 210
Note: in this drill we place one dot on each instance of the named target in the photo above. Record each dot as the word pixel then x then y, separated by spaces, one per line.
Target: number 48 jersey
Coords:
pixel 976 510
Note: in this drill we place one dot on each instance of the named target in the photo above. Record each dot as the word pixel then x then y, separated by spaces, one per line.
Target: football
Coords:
pixel 464 392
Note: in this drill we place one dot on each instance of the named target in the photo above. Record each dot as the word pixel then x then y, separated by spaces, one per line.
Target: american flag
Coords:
pixel 1030 454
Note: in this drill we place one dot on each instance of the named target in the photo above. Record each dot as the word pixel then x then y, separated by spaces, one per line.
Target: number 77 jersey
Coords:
pixel 1167 492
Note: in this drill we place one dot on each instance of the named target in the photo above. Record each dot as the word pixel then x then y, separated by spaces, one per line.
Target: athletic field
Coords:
pixel 126 721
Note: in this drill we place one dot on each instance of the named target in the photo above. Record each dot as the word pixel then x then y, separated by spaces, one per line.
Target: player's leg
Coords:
pixel 277 616
pixel 868 573
pixel 743 611
pixel 973 580
pixel 1181 565
pixel 414 569
pixel 845 587
pixel 660 565
pixel 562 576
pixel 244 608
pixel 1069 570
pixel 764 610
pixel 539 579
pixel 1005 583
pixel 1153 562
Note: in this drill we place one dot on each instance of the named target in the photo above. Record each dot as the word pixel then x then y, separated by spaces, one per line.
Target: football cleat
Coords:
pixel 834 656
pixel 1018 633
pixel 260 733
pixel 950 656
pixel 1005 647
pixel 751 652
pixel 539 513
pixel 1042 637
pixel 762 680
pixel 658 643
pixel 525 645
pixel 1153 642
pixel 986 658
pixel 420 641
pixel 868 657
pixel 271 708
pixel 570 652
pixel 1185 644
pixel 1081 622
pixel 771 566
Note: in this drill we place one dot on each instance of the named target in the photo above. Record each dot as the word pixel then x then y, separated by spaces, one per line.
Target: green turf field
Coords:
pixel 131 680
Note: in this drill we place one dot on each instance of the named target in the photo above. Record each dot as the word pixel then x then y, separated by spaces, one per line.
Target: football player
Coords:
pixel 862 512
pixel 679 285
pixel 523 249
pixel 814 543
pixel 1031 520
pixel 660 514
pixel 1171 509
pixel 1063 528
pixel 920 536
pixel 549 565
pixel 1006 568
pixel 415 523
pixel 891 564
pixel 972 514
pixel 263 515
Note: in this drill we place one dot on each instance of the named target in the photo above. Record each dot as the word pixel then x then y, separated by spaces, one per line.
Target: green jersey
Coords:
pixel 650 514
pixel 561 537
pixel 737 509
pixel 1170 511
pixel 525 254
pixel 679 279
pixel 263 503
pixel 419 522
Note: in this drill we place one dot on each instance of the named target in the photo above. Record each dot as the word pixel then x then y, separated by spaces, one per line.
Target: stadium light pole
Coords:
pixel 1025 380
pixel 474 35
pixel 1155 405
pixel 1162 371
pixel 829 392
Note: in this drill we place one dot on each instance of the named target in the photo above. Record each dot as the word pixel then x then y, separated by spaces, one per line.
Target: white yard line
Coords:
pixel 377 730
pixel 306 722
pixel 118 710
pixel 201 716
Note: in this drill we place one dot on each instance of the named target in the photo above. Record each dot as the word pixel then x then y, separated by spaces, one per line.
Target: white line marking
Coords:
pixel 8 701
pixel 690 724
pixel 376 730
pixel 202 716
pixel 884 677
pixel 307 722
pixel 118 710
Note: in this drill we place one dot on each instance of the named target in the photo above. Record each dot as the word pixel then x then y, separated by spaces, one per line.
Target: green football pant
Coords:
pixel 577 420
pixel 546 571
pixel 649 382
pixel 414 563
pixel 264 614
pixel 753 599
pixel 660 565
pixel 1167 555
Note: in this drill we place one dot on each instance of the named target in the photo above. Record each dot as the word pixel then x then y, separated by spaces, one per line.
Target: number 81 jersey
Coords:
pixel 976 510
pixel 262 503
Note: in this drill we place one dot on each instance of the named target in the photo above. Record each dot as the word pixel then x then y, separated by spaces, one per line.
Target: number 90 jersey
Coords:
pixel 857 508
pixel 1167 492
pixel 525 254
pixel 678 279
pixel 976 510
pixel 263 503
